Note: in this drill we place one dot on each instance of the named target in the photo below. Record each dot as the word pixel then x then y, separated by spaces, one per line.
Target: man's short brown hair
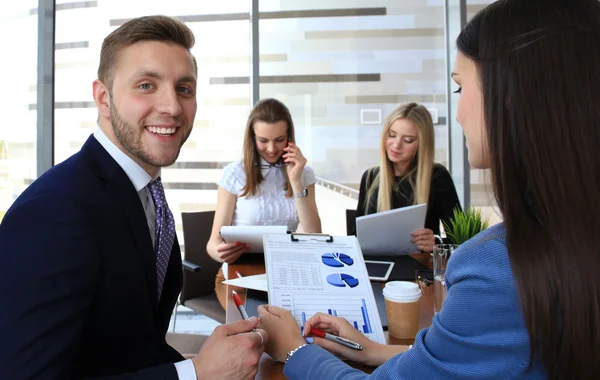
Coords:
pixel 147 28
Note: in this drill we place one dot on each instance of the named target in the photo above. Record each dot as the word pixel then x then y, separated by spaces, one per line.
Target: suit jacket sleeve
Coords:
pixel 49 274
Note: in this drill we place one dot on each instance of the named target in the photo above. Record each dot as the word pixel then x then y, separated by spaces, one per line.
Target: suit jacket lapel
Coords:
pixel 121 188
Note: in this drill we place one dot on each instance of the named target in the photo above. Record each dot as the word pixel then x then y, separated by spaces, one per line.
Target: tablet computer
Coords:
pixel 250 235
pixel 379 270
pixel 388 232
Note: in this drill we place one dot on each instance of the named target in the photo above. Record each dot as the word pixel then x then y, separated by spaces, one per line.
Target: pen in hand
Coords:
pixel 242 309
pixel 240 305
pixel 337 339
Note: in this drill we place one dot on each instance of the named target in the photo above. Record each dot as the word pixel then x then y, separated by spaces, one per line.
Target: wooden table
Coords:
pixel 269 368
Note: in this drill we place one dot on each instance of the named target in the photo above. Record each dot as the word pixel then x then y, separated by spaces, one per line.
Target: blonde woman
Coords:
pixel 407 174
pixel 271 185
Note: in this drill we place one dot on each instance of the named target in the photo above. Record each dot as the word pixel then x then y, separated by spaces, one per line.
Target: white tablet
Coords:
pixel 250 235
pixel 388 232
pixel 379 270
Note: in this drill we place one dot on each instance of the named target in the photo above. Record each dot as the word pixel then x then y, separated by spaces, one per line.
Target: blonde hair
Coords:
pixel 268 111
pixel 421 165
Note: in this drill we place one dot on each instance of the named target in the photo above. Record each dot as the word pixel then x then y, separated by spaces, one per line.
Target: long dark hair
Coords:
pixel 539 66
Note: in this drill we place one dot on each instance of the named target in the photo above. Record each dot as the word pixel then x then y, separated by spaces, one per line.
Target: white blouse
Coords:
pixel 270 207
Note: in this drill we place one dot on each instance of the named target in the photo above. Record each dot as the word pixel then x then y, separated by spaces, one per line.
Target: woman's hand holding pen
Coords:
pixel 295 159
pixel 230 252
pixel 284 333
pixel 284 336
pixel 369 355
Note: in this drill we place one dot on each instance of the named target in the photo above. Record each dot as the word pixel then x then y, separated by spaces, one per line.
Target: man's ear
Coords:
pixel 102 98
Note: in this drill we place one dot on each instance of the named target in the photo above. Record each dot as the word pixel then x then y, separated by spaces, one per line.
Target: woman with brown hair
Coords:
pixel 523 297
pixel 407 174
pixel 270 186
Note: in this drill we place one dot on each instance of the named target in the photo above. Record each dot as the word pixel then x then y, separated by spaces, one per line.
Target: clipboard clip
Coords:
pixel 317 237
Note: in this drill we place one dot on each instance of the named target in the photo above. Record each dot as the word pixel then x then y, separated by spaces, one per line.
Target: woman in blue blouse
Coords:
pixel 523 297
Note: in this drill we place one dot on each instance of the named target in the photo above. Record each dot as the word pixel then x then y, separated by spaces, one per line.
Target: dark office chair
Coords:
pixel 200 270
pixel 350 222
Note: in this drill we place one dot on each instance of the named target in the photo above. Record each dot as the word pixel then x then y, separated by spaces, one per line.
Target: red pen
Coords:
pixel 337 339
pixel 240 305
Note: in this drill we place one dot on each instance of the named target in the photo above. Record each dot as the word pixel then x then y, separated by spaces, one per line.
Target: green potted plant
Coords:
pixel 464 225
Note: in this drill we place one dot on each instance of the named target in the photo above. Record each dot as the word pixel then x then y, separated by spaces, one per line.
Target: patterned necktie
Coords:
pixel 165 232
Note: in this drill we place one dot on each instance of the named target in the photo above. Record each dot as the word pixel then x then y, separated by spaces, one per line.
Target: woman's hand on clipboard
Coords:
pixel 284 329
pixel 230 252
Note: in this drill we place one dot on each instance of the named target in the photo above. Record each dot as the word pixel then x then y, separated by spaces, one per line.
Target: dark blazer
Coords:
pixel 78 292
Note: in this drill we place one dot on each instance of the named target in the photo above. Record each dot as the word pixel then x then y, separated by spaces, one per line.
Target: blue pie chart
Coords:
pixel 336 260
pixel 342 280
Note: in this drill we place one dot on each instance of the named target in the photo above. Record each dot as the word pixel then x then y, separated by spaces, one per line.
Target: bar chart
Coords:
pixel 353 309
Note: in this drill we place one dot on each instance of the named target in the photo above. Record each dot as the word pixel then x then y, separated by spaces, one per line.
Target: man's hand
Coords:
pixel 231 352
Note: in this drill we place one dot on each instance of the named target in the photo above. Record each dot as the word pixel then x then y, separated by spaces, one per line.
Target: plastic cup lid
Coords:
pixel 402 290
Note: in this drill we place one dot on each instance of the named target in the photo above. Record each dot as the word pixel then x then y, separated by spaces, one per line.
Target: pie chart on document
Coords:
pixel 337 260
pixel 342 280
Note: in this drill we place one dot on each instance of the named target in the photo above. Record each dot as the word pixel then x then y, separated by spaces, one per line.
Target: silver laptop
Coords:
pixel 388 232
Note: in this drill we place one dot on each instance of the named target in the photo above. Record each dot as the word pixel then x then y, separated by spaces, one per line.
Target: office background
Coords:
pixel 340 66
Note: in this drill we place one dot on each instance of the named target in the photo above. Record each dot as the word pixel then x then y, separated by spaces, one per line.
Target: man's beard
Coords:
pixel 131 141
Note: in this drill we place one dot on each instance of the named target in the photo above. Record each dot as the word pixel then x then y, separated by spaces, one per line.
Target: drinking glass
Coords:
pixel 441 255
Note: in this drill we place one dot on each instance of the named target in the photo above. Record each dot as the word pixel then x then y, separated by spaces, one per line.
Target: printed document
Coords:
pixel 311 275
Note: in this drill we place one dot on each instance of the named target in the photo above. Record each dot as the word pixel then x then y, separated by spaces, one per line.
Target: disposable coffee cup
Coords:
pixel 402 299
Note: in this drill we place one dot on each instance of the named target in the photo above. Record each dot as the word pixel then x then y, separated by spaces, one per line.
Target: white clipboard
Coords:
pixel 322 273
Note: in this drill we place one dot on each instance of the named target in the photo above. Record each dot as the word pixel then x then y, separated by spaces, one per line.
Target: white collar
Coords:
pixel 137 175
pixel 266 169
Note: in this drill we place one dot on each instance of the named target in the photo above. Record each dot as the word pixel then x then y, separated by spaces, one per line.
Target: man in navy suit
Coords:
pixel 90 267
